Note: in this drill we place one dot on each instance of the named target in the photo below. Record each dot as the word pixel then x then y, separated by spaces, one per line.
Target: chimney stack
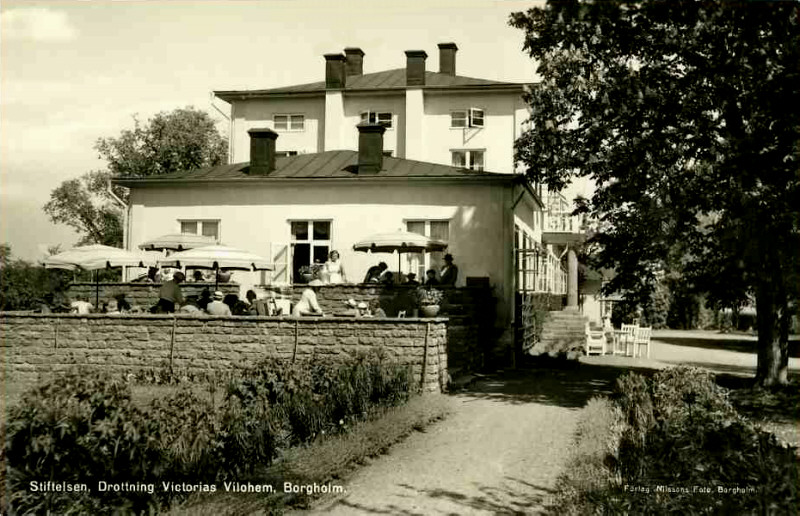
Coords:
pixel 334 71
pixel 262 151
pixel 447 58
pixel 354 61
pixel 370 148
pixel 415 67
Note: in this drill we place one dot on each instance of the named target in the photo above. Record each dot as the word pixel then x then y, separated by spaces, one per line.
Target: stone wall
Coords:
pixel 471 310
pixel 35 345
pixel 141 294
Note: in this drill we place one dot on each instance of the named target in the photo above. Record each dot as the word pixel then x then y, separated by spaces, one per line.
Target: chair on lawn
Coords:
pixel 595 340
pixel 642 338
pixel 623 338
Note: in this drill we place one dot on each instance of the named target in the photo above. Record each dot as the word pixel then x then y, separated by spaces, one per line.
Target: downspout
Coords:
pixel 229 118
pixel 126 223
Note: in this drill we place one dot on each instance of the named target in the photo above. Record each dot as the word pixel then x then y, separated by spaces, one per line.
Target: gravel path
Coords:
pixel 498 453
pixel 502 449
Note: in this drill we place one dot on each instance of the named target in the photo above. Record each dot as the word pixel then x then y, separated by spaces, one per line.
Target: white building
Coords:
pixel 302 180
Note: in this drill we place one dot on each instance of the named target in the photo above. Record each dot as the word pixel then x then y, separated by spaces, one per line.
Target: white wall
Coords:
pixel 254 216
pixel 354 105
pixel 501 126
pixel 259 113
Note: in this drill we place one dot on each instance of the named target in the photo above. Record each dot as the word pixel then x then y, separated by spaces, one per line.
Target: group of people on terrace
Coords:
pixel 332 273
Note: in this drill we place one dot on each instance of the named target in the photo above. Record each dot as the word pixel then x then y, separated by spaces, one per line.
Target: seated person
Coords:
pixel 352 310
pixel 308 304
pixel 198 277
pixel 205 298
pixel 190 307
pixel 255 306
pixel 217 307
pixel 430 277
pixel 375 309
pixel 374 273
pixel 81 306
pixel 122 303
pixel 387 278
pixel 112 308
pixel 411 279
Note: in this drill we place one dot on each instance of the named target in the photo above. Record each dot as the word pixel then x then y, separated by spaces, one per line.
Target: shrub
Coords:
pixel 682 431
pixel 81 428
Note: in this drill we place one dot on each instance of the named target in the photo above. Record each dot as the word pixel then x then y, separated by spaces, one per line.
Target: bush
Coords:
pixel 681 432
pixel 80 428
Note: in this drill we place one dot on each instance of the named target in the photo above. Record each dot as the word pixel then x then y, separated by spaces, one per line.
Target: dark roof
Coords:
pixel 340 164
pixel 386 80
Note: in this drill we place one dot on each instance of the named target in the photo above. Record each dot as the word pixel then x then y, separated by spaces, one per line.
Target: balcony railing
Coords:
pixel 559 218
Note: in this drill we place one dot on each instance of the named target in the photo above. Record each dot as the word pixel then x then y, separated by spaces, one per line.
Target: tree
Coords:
pixel 681 112
pixel 182 139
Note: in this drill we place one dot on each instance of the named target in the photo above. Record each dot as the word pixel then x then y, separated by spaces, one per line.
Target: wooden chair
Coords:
pixel 595 341
pixel 624 338
pixel 642 338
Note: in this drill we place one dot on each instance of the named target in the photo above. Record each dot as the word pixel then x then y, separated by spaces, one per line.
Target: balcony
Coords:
pixel 560 226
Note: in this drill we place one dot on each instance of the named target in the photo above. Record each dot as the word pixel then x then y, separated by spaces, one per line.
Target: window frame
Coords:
pixel 426 262
pixel 199 225
pixel 376 116
pixel 469 154
pixel 453 118
pixel 311 242
pixel 472 112
pixel 290 126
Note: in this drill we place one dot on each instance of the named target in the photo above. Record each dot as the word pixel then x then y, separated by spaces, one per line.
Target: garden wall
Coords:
pixel 36 345
pixel 471 310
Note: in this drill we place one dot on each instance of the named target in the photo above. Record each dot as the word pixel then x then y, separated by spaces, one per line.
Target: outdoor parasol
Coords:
pixel 218 258
pixel 400 241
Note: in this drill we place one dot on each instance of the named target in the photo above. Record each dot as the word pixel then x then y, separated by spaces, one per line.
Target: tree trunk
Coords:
pixel 772 359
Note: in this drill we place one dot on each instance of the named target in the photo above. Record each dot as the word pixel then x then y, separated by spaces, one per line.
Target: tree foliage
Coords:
pixel 685 115
pixel 182 139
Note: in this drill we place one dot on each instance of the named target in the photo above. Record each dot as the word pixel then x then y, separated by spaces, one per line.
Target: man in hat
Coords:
pixel 308 304
pixel 216 306
pixel 170 296
pixel 449 273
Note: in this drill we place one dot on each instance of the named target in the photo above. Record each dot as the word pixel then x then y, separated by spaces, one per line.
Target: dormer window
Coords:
pixel 374 117
pixel 462 118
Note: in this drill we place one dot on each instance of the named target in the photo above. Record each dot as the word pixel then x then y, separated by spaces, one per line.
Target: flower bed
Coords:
pixel 83 432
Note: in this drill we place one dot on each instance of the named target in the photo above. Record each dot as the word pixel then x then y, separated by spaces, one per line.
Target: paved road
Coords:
pixel 504 446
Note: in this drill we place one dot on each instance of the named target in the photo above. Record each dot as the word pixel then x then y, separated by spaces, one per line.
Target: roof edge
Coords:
pixel 151 182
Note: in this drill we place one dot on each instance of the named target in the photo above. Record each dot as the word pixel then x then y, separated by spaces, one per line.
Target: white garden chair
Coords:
pixel 623 338
pixel 641 337
pixel 595 341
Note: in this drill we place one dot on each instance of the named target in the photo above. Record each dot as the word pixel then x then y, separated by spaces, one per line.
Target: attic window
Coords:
pixel 372 117
pixel 286 153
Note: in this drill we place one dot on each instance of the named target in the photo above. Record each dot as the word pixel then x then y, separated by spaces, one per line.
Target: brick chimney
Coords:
pixel 370 148
pixel 447 58
pixel 334 71
pixel 415 67
pixel 262 151
pixel 354 61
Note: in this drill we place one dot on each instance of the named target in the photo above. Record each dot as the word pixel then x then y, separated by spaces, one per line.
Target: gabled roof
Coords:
pixel 340 164
pixel 378 81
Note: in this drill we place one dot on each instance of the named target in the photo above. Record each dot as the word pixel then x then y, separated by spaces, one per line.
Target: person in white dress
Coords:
pixel 333 269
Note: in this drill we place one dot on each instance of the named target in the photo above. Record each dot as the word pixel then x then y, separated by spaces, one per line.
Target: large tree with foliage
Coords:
pixel 170 141
pixel 685 115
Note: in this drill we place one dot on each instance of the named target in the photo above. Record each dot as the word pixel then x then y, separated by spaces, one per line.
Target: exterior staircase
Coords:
pixel 563 334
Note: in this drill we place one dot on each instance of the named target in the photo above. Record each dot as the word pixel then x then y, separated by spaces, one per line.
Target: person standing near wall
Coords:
pixel 449 273
pixel 170 296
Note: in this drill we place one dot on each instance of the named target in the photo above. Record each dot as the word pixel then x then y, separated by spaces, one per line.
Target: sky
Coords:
pixel 74 71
